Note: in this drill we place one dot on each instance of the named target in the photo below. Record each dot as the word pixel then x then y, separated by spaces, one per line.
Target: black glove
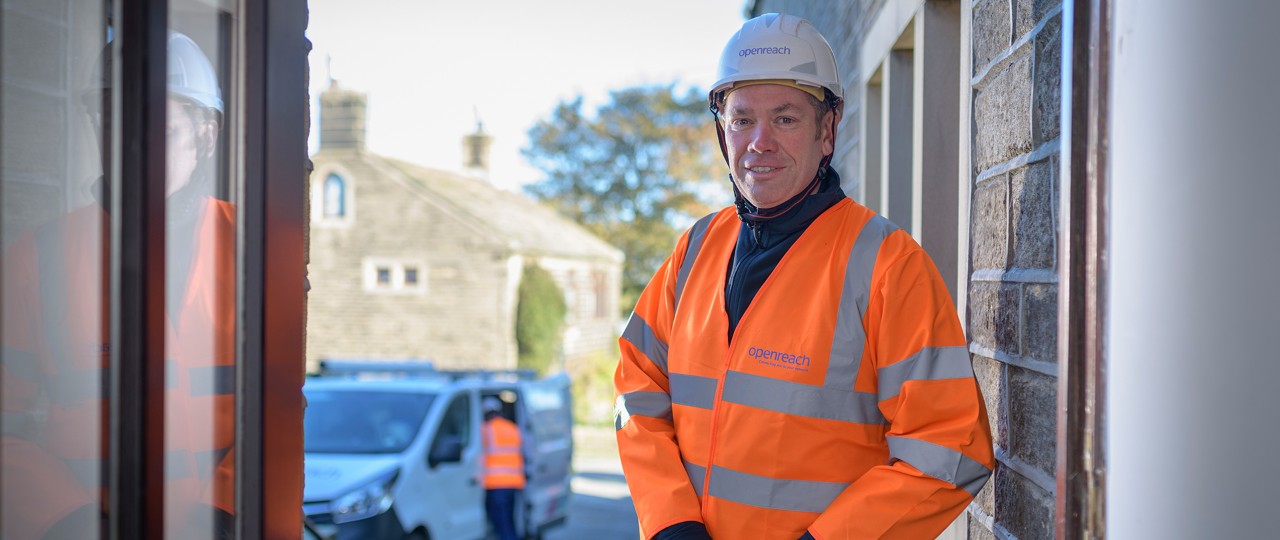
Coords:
pixel 686 530
pixel 807 536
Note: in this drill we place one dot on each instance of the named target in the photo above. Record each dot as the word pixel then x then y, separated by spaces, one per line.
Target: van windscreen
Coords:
pixel 354 422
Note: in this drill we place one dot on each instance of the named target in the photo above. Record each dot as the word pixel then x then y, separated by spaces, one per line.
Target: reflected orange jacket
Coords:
pixel 844 404
pixel 503 462
pixel 57 361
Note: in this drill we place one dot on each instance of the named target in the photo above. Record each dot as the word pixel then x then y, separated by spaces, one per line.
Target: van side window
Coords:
pixel 457 420
pixel 454 435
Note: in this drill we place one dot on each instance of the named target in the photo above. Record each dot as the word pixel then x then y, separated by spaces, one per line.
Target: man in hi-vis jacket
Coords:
pixel 55 332
pixel 796 368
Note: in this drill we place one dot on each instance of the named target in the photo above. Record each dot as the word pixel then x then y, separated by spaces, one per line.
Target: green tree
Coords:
pixel 636 172
pixel 540 311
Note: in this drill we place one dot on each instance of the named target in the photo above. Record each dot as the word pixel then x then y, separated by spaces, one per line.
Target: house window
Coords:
pixel 389 275
pixel 599 284
pixel 335 197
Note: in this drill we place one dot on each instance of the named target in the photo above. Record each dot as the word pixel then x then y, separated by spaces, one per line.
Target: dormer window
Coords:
pixel 335 197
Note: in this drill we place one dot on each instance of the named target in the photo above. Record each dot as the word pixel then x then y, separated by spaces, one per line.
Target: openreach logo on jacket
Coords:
pixel 794 362
pixel 763 50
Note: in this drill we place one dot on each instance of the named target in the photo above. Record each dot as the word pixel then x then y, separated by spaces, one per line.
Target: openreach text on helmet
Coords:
pixel 764 50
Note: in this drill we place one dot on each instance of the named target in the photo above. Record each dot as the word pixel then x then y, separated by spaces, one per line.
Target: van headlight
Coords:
pixel 369 500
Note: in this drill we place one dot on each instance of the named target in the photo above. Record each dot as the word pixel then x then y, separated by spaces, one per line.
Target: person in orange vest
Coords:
pixel 503 469
pixel 796 368
pixel 57 361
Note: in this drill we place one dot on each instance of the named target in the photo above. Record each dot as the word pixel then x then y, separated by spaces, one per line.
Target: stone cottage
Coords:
pixel 409 262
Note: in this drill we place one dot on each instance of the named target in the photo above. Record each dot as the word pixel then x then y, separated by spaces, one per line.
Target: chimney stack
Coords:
pixel 342 118
pixel 475 149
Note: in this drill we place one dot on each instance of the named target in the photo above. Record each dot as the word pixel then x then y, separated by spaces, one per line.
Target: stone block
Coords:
pixel 990 375
pixel 991 32
pixel 1033 418
pixel 993 315
pixel 1048 79
pixel 1040 321
pixel 1027 13
pixel 978 531
pixel 1002 114
pixel 1032 210
pixel 1022 507
pixel 989 232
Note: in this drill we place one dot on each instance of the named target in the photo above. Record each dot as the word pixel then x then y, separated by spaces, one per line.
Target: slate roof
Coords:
pixel 510 219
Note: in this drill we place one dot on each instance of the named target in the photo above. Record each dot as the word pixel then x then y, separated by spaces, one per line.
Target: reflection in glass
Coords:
pixel 55 358
pixel 200 279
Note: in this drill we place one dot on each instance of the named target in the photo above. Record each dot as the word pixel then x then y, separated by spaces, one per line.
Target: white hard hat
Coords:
pixel 191 76
pixel 492 404
pixel 778 47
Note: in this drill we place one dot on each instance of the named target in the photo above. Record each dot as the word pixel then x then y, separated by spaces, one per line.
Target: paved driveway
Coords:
pixel 600 506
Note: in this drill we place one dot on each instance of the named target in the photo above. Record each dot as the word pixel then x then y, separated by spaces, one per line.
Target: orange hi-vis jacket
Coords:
pixel 503 462
pixel 844 404
pixel 57 368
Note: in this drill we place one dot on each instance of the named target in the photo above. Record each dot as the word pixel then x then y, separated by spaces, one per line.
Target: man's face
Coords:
pixel 774 141
pixel 190 138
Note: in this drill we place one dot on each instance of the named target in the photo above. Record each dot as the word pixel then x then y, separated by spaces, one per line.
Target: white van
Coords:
pixel 393 450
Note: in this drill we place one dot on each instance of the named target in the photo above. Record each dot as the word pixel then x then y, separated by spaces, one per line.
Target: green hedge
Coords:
pixel 540 312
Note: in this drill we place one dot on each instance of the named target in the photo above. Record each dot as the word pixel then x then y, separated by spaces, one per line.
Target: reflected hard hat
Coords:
pixel 492 404
pixel 191 76
pixel 779 49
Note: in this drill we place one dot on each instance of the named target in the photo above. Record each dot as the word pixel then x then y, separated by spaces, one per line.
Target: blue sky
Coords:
pixel 428 66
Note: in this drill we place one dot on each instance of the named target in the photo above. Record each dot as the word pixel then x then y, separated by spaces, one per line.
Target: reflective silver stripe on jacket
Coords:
pixel 940 462
pixel 502 448
pixel 693 391
pixel 850 338
pixel 930 364
pixel 697 473
pixel 213 380
pixel 651 404
pixel 641 336
pixel 696 234
pixel 800 399
pixel 778 396
pixel 773 493
pixel 72 388
pixel 20 363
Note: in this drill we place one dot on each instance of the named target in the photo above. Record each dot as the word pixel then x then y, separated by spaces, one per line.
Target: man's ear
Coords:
pixel 207 136
pixel 829 131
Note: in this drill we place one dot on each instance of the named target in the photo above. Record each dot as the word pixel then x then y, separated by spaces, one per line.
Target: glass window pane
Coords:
pixel 200 274
pixel 55 358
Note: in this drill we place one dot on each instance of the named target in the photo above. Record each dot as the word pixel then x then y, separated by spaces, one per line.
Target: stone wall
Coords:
pixel 1013 291
pixel 461 320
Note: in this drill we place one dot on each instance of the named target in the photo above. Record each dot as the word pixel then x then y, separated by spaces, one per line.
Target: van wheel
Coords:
pixel 418 535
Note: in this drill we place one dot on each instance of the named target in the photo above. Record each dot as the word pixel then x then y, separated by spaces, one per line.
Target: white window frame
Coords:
pixel 397 268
